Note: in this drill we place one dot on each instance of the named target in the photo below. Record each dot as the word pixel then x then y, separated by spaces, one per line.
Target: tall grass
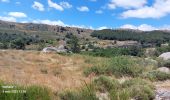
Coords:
pixel 121 66
pixel 24 93
pixel 85 93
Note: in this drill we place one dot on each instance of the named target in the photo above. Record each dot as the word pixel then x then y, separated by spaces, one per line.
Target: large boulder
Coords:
pixel 164 69
pixel 59 49
pixel 49 49
pixel 165 56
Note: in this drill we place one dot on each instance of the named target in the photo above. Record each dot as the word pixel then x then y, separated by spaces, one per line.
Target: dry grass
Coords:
pixel 163 85
pixel 28 67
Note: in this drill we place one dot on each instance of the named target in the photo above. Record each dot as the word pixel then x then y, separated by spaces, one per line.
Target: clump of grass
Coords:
pixel 37 93
pixel 96 69
pixel 139 89
pixel 122 94
pixel 24 93
pixel 121 66
pixel 104 84
pixel 157 76
pixel 85 93
pixel 68 95
pixel 163 63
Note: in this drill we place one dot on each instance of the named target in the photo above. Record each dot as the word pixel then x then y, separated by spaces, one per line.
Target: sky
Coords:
pixel 94 14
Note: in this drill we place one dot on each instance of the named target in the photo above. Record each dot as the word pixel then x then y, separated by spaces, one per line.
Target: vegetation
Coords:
pixel 74 44
pixel 157 76
pixel 24 93
pixel 111 52
pixel 121 66
pixel 137 89
pixel 85 93
pixel 153 37
pixel 17 41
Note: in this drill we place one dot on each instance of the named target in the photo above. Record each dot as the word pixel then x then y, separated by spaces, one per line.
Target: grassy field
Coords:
pixel 80 77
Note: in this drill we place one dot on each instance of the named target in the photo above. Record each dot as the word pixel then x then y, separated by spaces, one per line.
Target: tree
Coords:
pixel 75 47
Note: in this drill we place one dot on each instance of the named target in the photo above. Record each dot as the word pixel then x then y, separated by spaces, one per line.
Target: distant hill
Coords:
pixel 153 37
pixel 40 33
pixel 43 30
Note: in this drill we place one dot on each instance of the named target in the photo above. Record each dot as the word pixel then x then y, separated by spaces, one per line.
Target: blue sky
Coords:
pixel 96 14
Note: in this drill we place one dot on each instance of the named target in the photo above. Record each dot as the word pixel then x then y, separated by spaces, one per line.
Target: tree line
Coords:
pixel 144 37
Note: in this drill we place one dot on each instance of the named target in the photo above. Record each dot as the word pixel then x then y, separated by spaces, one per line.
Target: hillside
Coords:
pixel 156 37
pixel 42 30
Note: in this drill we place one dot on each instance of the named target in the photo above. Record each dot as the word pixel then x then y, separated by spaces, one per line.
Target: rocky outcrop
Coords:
pixel 165 56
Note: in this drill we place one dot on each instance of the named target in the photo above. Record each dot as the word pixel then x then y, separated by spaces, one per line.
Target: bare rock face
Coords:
pixel 164 69
pixel 165 56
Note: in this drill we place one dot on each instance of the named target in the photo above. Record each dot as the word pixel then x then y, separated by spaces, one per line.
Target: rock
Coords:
pixel 162 95
pixel 103 96
pixel 59 49
pixel 165 56
pixel 164 69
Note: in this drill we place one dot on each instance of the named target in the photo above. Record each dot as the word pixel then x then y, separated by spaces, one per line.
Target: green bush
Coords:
pixel 119 66
pixel 37 93
pixel 122 94
pixel 139 89
pixel 163 63
pixel 68 95
pixel 157 76
pixel 85 93
pixel 24 93
pixel 104 84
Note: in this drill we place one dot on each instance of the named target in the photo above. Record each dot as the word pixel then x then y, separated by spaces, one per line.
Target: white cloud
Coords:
pixel 128 26
pixel 99 12
pixel 10 19
pixel 5 1
pixel 111 6
pixel 127 3
pixel 65 5
pixel 143 27
pixel 49 22
pixel 83 9
pixel 57 22
pixel 17 14
pixel 103 27
pixel 159 9
pixel 55 5
pixel 38 6
pixel 165 27
pixel 18 3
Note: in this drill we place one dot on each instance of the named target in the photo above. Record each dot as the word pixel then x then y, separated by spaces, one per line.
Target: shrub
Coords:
pixel 157 76
pixel 139 89
pixel 163 63
pixel 31 93
pixel 68 95
pixel 96 70
pixel 118 66
pixel 120 94
pixel 37 93
pixel 104 83
pixel 85 93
